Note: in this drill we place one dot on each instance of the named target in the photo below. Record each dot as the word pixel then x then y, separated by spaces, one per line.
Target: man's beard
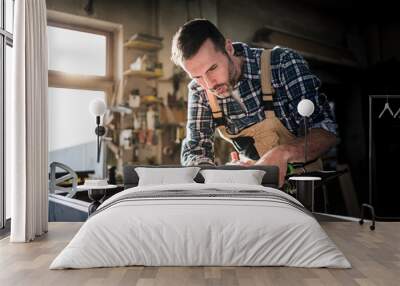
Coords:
pixel 232 75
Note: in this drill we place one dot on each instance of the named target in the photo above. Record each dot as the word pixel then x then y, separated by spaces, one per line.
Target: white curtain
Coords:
pixel 26 123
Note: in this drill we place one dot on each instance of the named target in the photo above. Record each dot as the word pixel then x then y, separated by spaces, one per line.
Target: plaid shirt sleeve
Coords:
pixel 300 83
pixel 198 146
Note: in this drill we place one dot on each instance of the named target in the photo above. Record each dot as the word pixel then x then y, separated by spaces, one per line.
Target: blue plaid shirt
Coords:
pixel 292 81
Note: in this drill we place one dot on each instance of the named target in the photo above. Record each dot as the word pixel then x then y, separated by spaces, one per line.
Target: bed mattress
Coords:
pixel 201 225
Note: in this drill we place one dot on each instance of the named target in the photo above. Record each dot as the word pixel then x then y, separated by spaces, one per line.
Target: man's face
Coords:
pixel 212 69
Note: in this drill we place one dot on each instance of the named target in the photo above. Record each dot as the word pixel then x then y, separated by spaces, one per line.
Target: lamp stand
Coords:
pixel 100 131
pixel 305 139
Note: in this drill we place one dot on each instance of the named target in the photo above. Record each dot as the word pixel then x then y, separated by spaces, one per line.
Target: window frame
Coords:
pixel 90 82
pixel 6 39
pixel 112 83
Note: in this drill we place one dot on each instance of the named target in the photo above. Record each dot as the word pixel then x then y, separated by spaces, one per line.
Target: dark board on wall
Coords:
pixel 384 155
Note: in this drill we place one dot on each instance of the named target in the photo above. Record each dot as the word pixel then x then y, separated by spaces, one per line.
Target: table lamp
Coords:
pixel 305 185
pixel 97 108
pixel 305 108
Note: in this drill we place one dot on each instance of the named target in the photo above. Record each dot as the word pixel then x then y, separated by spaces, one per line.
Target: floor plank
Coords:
pixel 375 257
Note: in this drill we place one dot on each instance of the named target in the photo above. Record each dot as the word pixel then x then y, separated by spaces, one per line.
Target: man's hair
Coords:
pixel 189 38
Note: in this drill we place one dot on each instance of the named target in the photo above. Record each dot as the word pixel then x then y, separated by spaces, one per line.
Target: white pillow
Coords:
pixel 248 177
pixel 163 176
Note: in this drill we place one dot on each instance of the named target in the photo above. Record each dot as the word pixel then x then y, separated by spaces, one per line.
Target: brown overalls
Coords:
pixel 268 133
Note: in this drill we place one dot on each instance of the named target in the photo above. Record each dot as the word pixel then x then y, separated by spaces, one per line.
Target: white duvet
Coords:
pixel 207 230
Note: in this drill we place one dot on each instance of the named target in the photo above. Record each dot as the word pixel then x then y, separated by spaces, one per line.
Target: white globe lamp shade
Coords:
pixel 305 107
pixel 97 107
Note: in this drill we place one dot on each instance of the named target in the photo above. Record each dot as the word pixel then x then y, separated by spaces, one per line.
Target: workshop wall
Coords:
pixel 330 23
pixel 164 18
pixel 135 16
pixel 382 40
pixel 294 16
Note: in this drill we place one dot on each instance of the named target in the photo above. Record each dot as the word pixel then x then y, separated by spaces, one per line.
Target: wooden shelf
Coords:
pixel 143 74
pixel 142 45
pixel 148 99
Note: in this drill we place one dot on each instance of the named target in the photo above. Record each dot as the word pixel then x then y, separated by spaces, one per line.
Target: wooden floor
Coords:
pixel 375 256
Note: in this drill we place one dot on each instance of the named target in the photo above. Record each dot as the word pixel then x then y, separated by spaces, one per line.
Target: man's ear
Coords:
pixel 229 47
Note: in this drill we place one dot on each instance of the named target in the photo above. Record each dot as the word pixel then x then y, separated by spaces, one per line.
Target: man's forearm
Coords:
pixel 319 141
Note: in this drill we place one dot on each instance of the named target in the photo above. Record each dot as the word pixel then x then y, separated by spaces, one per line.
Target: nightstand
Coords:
pixel 96 193
pixel 305 190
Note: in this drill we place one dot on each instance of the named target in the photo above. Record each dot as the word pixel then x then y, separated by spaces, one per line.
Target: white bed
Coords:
pixel 221 225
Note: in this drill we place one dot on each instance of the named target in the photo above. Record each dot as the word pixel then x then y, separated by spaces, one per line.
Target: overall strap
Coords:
pixel 215 109
pixel 266 83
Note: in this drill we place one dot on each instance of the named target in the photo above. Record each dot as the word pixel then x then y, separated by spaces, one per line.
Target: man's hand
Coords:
pixel 319 141
pixel 277 156
pixel 247 163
